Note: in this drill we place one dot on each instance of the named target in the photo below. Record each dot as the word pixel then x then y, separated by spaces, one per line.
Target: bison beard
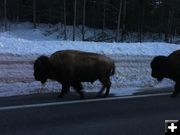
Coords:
pixel 167 67
pixel 70 68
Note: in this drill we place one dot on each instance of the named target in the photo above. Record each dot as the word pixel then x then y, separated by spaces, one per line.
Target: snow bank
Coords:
pixel 132 61
pixel 27 47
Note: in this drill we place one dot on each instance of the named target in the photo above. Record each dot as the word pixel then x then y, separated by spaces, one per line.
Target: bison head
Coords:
pixel 159 66
pixel 41 69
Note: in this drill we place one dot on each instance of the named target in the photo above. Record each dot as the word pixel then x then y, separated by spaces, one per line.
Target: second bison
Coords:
pixel 71 67
pixel 167 67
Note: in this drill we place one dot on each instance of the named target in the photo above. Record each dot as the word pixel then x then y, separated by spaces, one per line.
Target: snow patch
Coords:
pixel 132 60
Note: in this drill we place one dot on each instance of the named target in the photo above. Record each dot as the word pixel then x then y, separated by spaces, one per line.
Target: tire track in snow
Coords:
pixel 15 68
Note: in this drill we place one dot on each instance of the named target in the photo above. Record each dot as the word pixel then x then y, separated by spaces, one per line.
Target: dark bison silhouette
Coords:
pixel 71 67
pixel 167 67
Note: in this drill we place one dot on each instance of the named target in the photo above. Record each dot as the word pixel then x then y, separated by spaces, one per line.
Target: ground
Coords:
pixel 20 46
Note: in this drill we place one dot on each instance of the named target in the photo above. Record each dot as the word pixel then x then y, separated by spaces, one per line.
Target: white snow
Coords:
pixel 132 60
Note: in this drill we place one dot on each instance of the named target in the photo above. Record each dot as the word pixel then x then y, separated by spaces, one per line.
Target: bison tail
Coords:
pixel 113 69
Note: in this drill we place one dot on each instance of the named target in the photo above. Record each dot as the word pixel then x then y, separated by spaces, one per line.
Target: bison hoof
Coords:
pixel 60 96
pixel 105 95
pixel 82 96
pixel 174 95
pixel 98 95
pixel 102 96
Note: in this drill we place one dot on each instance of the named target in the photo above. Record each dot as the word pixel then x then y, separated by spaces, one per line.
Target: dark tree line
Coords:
pixel 161 17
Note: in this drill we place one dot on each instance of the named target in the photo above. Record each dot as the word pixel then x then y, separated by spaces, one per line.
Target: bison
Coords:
pixel 71 67
pixel 167 67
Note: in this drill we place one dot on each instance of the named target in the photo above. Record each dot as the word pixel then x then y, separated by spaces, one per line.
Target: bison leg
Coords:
pixel 101 91
pixel 106 84
pixel 176 90
pixel 65 89
pixel 78 87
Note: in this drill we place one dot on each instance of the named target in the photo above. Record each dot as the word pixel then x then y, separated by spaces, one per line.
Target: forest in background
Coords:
pixel 160 17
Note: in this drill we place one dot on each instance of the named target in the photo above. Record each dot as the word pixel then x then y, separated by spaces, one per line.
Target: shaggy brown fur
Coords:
pixel 167 67
pixel 71 67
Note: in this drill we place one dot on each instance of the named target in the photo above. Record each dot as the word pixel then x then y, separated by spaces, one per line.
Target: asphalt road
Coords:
pixel 131 116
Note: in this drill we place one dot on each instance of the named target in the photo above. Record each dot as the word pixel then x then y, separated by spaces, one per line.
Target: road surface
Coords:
pixel 144 115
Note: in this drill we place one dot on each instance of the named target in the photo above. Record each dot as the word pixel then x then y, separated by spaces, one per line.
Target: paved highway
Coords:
pixel 141 115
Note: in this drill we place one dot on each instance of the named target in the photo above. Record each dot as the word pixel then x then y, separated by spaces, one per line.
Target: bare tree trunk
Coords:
pixel 5 15
pixel 1 14
pixel 34 14
pixel 17 11
pixel 159 19
pixel 104 15
pixel 141 20
pixel 50 16
pixel 167 33
pixel 124 21
pixel 94 21
pixel 74 23
pixel 169 26
pixel 65 35
pixel 118 21
pixel 84 20
pixel 172 25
